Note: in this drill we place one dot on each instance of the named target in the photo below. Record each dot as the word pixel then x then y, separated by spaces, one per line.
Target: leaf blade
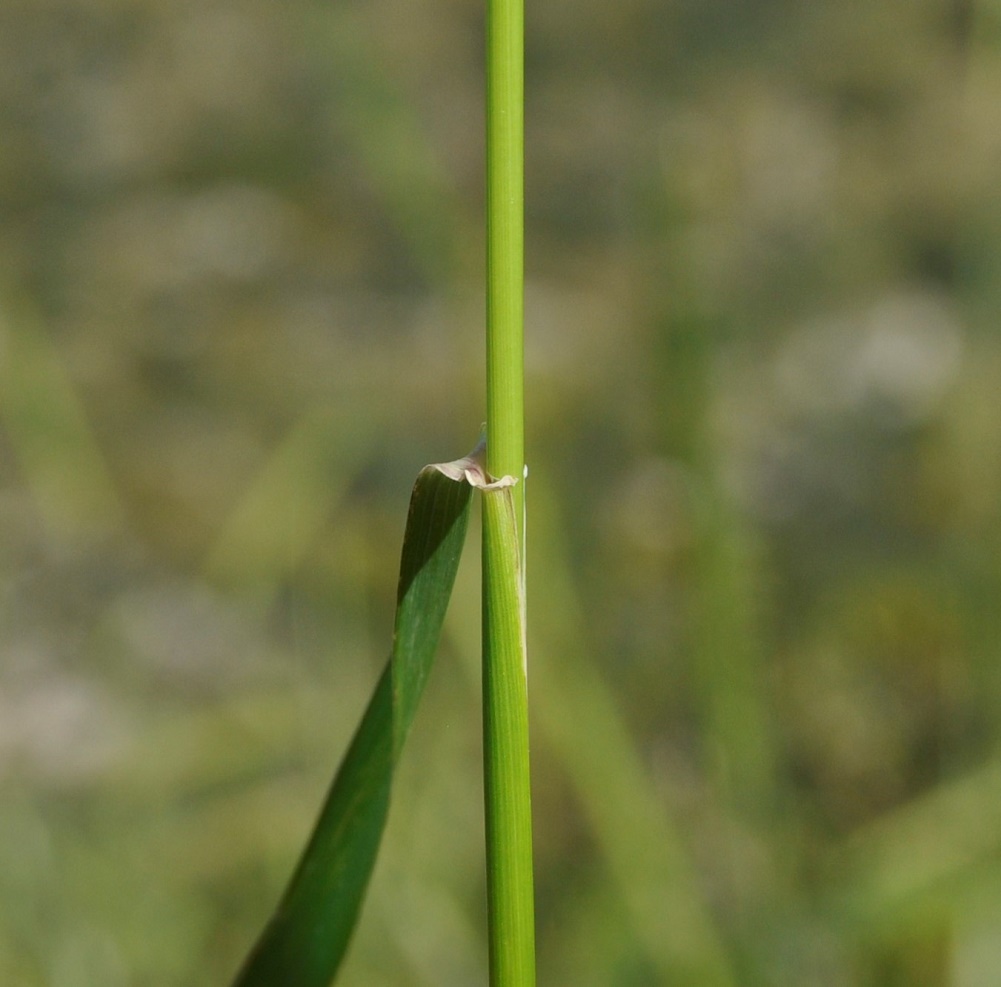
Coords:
pixel 307 937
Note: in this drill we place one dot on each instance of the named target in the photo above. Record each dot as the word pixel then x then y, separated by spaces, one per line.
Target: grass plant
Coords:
pixel 765 550
pixel 305 941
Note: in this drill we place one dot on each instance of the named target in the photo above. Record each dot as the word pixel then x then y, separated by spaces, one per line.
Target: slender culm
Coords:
pixel 510 895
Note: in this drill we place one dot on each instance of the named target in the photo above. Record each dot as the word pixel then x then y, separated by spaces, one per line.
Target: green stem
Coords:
pixel 505 241
pixel 510 904
pixel 510 894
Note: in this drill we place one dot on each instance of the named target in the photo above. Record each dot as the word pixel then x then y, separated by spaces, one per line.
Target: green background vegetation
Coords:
pixel 241 304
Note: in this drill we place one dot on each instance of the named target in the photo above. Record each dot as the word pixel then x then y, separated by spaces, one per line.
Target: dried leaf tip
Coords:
pixel 473 469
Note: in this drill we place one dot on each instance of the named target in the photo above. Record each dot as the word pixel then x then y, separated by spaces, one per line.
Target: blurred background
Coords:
pixel 241 304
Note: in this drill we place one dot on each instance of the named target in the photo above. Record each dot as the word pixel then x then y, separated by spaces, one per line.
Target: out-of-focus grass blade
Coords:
pixel 376 116
pixel 306 939
pixel 729 660
pixel 278 519
pixel 49 430
pixel 644 849
pixel 919 860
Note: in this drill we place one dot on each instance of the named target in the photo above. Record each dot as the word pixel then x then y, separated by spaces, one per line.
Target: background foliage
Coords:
pixel 241 306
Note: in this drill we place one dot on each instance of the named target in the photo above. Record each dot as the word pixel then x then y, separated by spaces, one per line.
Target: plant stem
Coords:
pixel 505 242
pixel 510 893
pixel 510 904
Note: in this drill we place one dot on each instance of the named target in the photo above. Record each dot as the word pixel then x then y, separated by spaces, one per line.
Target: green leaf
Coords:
pixel 305 941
